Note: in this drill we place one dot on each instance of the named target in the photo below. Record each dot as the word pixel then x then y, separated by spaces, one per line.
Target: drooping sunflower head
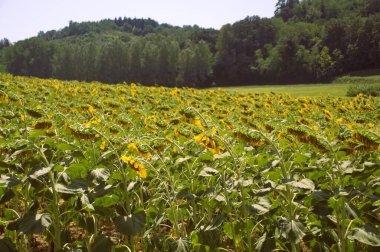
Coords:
pixel 136 166
pixel 371 141
pixel 140 148
pixel 81 131
pixel 208 142
pixel 34 113
pixel 43 124
pixel 251 137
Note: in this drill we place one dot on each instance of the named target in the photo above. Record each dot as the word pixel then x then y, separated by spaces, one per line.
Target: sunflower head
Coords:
pixel 208 142
pixel 136 166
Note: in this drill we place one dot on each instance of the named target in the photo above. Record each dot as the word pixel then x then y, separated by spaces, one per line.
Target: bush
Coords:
pixel 372 90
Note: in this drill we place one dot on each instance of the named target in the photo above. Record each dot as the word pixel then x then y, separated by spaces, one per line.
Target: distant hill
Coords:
pixel 134 26
pixel 305 41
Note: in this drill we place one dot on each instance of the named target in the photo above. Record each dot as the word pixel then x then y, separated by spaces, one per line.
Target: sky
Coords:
pixel 20 19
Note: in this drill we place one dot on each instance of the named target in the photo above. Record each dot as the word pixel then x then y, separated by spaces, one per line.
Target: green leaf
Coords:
pixel 300 158
pixel 6 245
pixel 87 222
pixel 367 235
pixel 262 192
pixel 208 238
pixel 31 223
pixel 102 243
pixel 36 133
pixel 102 190
pixel 295 231
pixel 132 186
pixel 216 223
pixel 186 194
pixel 9 181
pixel 234 228
pixel 181 245
pixel 106 154
pixel 117 176
pixel 208 172
pixel 220 198
pixel 40 172
pixel 209 235
pixel 59 168
pixel 376 203
pixel 322 195
pixel 99 175
pixel 86 203
pixel 262 207
pixel 304 184
pixel 275 162
pixel 78 170
pixel 206 157
pixel 107 201
pixel 272 175
pixel 345 164
pixel 7 196
pixel 266 243
pixel 66 147
pixel 368 164
pixel 131 224
pixel 181 160
pixel 103 211
pixel 67 189
pixel 221 156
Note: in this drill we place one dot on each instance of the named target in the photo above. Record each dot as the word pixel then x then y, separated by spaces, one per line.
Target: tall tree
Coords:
pixel 4 43
pixel 30 57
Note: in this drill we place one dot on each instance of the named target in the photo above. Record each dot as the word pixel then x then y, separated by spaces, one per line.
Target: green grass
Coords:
pixel 337 88
pixel 298 89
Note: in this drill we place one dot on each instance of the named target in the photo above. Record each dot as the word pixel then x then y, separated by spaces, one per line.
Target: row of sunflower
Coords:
pixel 130 147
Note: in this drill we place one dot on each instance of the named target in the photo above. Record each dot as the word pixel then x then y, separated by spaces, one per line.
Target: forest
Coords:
pixel 304 42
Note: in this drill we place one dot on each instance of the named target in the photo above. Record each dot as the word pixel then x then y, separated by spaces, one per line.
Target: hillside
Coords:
pixel 305 41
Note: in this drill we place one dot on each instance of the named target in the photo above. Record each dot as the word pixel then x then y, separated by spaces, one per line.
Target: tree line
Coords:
pixel 305 41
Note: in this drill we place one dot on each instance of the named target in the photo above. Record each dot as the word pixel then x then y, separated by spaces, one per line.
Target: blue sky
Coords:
pixel 20 19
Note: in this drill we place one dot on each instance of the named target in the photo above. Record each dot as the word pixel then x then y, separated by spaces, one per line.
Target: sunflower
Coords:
pixel 81 132
pixel 139 149
pixel 208 142
pixel 103 145
pixel 34 113
pixel 252 138
pixel 328 114
pixel 135 166
pixel 370 141
pixel 43 125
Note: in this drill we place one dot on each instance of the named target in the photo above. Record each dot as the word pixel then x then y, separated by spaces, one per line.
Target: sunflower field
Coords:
pixel 95 167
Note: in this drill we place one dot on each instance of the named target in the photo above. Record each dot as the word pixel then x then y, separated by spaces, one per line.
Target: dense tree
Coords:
pixel 195 64
pixel 306 41
pixel 149 63
pixel 286 9
pixel 226 54
pixel 30 57
pixel 4 43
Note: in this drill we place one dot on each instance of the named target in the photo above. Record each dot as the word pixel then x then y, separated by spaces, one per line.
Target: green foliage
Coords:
pixel 365 89
pixel 368 77
pixel 30 57
pixel 131 225
pixel 306 41
pixel 367 235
